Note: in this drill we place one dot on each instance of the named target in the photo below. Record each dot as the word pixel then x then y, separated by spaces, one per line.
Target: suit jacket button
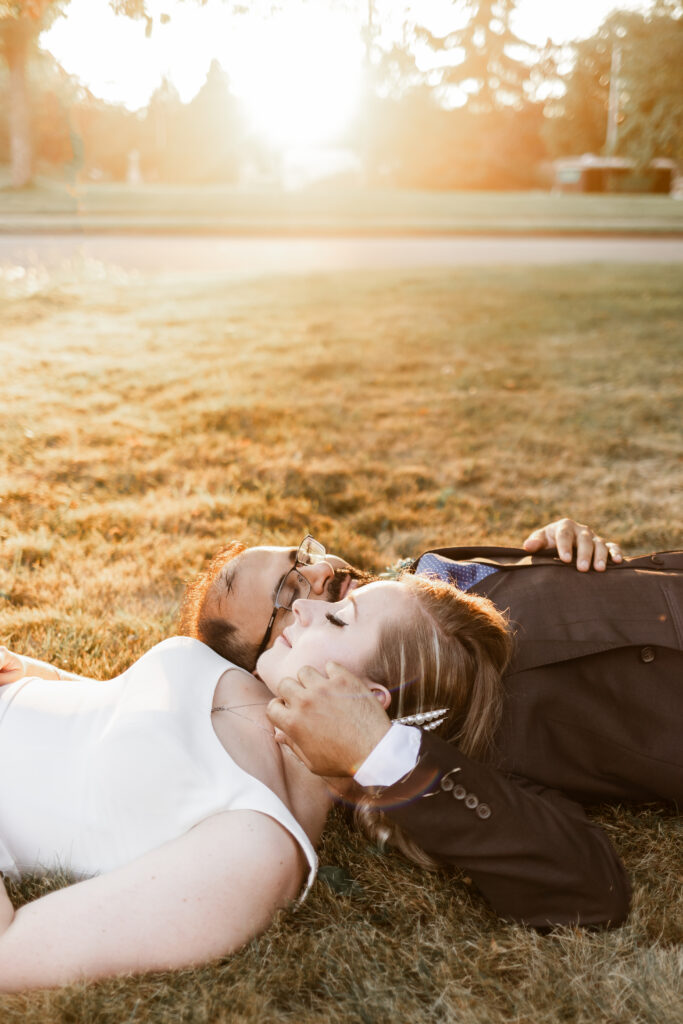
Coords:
pixel 447 782
pixel 471 801
pixel 657 559
pixel 647 654
pixel 459 792
pixel 484 811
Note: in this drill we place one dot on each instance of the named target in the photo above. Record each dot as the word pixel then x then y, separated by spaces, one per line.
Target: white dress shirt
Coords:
pixel 394 756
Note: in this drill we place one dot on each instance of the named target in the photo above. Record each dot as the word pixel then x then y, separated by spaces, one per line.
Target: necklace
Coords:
pixel 236 708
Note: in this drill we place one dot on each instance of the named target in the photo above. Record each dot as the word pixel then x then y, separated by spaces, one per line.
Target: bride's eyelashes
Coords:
pixel 331 617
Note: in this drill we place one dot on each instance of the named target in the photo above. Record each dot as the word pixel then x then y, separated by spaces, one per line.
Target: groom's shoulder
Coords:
pixel 485 553
pixel 507 557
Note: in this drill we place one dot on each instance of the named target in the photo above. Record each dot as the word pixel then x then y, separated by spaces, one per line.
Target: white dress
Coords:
pixel 94 774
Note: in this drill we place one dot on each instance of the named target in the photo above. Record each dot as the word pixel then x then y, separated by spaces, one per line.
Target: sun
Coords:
pixel 298 70
pixel 300 76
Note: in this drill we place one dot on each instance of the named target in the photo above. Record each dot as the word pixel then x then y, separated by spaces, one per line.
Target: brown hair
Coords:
pixel 451 654
pixel 197 620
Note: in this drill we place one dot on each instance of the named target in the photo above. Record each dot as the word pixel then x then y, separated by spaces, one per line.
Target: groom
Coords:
pixel 593 712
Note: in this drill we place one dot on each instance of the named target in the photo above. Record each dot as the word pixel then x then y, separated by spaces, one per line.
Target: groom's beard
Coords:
pixel 334 587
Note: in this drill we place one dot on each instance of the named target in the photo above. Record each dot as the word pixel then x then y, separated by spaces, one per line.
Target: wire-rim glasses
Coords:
pixel 293 585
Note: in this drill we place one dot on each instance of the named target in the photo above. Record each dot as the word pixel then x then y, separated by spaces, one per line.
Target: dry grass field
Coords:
pixel 145 422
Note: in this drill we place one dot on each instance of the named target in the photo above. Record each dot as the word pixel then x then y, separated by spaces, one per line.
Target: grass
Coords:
pixel 144 423
pixel 52 206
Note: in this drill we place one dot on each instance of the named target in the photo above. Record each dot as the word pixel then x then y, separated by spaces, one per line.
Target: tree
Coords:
pixel 576 122
pixel 162 144
pixel 489 73
pixel 649 88
pixel 493 140
pixel 214 131
pixel 54 94
pixel 21 22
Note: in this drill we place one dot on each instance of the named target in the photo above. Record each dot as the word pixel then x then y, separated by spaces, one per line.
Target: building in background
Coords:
pixel 590 173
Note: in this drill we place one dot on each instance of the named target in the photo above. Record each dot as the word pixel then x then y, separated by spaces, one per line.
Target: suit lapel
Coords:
pixel 559 614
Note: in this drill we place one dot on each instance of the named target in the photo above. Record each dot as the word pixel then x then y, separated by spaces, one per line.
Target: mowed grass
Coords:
pixel 144 422
pixel 328 209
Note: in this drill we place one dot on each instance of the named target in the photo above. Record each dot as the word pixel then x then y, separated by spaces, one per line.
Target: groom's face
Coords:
pixel 244 591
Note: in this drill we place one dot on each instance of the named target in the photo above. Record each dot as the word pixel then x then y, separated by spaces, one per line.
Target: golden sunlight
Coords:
pixel 297 70
pixel 299 76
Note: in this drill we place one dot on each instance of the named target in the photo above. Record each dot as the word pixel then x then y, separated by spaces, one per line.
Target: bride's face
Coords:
pixel 346 631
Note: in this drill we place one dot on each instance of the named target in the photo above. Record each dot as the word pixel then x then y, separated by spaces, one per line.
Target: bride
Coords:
pixel 167 794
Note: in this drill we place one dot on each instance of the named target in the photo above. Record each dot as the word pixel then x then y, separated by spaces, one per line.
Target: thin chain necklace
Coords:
pixel 236 708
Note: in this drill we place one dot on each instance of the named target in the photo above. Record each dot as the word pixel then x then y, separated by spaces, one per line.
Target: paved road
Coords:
pixel 248 257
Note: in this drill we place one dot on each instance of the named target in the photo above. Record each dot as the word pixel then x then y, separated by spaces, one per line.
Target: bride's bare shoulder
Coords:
pixel 236 682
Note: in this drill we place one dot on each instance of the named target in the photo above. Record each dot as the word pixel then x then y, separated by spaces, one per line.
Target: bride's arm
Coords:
pixel 16 666
pixel 194 899
pixel 6 909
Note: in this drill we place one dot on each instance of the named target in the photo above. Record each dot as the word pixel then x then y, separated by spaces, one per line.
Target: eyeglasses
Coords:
pixel 294 585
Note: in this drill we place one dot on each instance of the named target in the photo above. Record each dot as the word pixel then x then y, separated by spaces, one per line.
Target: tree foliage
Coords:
pixel 497 139
pixel 200 141
pixel 491 71
pixel 649 87
pixel 21 21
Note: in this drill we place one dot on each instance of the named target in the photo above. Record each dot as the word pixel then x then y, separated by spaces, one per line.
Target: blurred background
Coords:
pixel 263 96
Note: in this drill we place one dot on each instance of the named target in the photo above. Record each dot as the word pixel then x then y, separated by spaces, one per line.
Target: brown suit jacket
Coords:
pixel 593 712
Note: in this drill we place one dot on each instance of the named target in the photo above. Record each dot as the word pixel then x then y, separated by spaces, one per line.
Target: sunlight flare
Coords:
pixel 300 77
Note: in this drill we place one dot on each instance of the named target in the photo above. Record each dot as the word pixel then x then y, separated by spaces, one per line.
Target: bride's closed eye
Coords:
pixel 335 620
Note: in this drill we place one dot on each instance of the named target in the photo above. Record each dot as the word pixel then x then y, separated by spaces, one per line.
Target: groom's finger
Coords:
pixel 280 716
pixel 565 533
pixel 277 714
pixel 288 688
pixel 334 681
pixel 536 541
pixel 310 677
pixel 284 740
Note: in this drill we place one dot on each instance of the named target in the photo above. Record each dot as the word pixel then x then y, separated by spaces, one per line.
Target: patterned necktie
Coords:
pixel 462 574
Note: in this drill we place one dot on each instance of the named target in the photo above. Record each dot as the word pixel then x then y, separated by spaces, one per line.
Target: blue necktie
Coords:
pixel 462 574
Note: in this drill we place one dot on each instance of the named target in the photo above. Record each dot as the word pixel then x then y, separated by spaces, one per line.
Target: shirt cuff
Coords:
pixel 394 756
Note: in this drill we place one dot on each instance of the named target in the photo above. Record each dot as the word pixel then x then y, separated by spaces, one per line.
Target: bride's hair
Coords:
pixel 450 653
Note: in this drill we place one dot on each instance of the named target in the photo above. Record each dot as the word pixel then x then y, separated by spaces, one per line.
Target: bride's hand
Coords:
pixel 6 908
pixel 12 667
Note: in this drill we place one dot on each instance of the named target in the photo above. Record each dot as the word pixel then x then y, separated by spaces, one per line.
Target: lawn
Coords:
pixel 144 423
pixel 52 206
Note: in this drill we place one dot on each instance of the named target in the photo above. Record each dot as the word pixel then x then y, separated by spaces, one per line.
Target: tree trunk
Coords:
pixel 15 38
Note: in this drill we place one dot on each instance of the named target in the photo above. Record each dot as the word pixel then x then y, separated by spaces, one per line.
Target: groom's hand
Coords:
pixel 564 535
pixel 331 720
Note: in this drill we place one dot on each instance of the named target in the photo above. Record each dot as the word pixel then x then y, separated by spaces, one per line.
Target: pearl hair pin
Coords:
pixel 426 719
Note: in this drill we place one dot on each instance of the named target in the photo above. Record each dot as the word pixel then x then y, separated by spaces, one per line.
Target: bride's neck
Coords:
pixel 309 795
